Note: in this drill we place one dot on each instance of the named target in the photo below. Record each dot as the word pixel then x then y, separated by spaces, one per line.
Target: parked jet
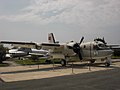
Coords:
pixel 13 53
pixel 25 49
pixel 91 51
pixel 26 52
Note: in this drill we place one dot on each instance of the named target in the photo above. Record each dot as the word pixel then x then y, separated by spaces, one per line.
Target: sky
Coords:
pixel 32 20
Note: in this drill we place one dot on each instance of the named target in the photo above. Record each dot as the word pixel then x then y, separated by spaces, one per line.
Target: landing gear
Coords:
pixel 63 62
pixel 92 61
pixel 108 62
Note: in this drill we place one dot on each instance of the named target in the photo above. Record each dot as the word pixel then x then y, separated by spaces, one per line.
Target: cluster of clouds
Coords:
pixel 80 12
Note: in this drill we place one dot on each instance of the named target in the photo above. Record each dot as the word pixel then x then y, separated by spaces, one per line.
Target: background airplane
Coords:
pixel 25 49
pixel 26 53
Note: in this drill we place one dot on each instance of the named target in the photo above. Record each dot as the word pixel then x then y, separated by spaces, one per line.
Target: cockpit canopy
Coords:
pixel 100 46
pixel 100 40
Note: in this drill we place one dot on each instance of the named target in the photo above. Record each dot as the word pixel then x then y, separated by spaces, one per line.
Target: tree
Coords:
pixel 2 53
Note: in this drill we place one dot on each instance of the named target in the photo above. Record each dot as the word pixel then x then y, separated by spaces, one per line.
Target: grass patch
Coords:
pixel 4 64
pixel 115 57
pixel 32 62
pixel 29 62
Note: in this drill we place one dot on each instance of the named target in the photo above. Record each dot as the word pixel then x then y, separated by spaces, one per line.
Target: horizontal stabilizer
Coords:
pixel 50 44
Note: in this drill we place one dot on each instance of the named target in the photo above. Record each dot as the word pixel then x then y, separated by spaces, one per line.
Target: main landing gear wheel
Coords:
pixel 107 64
pixel 63 62
pixel 92 61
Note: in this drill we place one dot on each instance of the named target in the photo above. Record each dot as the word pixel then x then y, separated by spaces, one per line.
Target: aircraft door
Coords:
pixel 95 50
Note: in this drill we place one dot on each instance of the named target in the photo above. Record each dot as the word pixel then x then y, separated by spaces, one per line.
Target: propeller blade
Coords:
pixel 77 50
pixel 81 40
pixel 80 56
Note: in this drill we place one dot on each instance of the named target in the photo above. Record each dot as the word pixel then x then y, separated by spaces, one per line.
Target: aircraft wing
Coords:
pixel 55 47
pixel 49 45
pixel 22 44
pixel 114 46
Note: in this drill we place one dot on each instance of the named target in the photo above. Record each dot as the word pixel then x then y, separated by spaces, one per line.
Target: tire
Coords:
pixel 63 62
pixel 92 61
pixel 107 64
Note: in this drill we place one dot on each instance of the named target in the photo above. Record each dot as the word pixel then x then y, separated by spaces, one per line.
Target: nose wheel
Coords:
pixel 63 62
pixel 108 62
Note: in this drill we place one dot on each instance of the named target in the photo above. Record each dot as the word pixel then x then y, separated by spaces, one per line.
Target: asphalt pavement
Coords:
pixel 108 79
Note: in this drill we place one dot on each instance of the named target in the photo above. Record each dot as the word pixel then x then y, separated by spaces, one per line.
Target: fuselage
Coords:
pixel 89 50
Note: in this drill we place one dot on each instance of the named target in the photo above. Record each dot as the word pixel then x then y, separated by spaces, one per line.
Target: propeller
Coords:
pixel 81 40
pixel 77 49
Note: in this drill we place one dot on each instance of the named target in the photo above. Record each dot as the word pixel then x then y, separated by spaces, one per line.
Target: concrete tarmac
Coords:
pixel 104 79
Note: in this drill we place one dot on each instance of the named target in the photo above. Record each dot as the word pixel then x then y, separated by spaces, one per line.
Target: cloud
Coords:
pixel 78 12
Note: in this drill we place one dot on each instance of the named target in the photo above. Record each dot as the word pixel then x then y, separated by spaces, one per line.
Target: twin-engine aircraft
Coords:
pixel 88 51
pixel 82 51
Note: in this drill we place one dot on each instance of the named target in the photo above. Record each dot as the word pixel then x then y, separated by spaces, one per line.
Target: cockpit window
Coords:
pixel 95 47
pixel 101 45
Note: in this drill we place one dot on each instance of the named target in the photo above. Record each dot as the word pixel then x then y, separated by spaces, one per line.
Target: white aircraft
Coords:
pixel 88 51
pixel 13 53
pixel 25 49
pixel 26 53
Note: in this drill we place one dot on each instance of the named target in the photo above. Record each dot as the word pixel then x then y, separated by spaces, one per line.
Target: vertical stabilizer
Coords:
pixel 51 38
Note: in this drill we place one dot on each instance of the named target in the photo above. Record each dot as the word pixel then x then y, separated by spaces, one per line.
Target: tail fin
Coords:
pixel 51 38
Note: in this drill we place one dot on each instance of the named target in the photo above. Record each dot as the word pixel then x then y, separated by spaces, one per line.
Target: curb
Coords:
pixel 1 80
